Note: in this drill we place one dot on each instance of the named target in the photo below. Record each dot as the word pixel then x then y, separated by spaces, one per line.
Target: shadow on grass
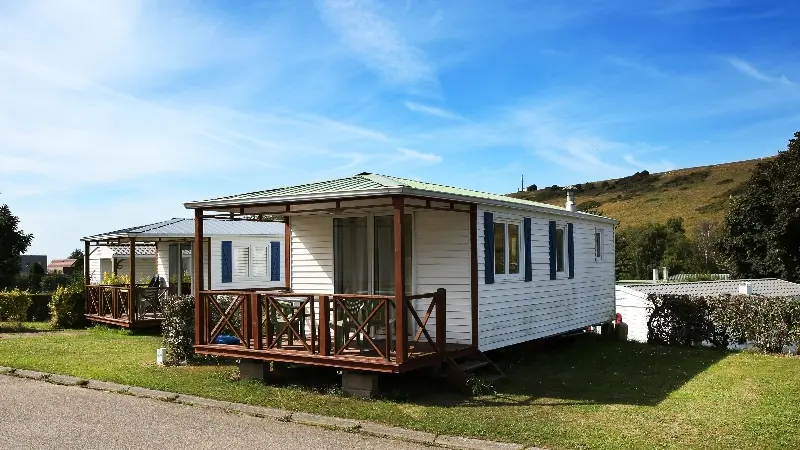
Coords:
pixel 581 370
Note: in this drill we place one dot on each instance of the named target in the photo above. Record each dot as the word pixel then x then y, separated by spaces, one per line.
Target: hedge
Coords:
pixel 67 306
pixel 14 305
pixel 769 323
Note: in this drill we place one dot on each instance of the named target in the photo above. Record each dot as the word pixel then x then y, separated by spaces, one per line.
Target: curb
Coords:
pixel 335 423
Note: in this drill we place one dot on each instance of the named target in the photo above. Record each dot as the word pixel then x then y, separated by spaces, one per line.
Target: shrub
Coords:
pixel 109 278
pixel 53 280
pixel 532 188
pixel 67 306
pixel 14 305
pixel 769 323
pixel 177 328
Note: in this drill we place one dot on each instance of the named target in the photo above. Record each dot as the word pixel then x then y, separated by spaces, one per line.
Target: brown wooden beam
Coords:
pixel 287 249
pixel 401 333
pixel 208 265
pixel 132 291
pixel 473 257
pixel 197 257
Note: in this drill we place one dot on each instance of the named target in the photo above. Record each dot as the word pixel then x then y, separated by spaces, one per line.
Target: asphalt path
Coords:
pixel 39 415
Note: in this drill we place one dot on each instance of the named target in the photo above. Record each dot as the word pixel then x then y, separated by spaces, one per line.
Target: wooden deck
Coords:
pixel 342 331
pixel 125 306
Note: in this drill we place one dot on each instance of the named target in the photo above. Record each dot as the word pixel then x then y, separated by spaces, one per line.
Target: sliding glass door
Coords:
pixel 363 250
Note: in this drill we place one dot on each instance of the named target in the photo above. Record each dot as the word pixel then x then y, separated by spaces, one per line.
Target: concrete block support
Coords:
pixel 253 369
pixel 359 384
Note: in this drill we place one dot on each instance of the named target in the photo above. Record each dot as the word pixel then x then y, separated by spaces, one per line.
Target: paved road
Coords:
pixel 39 415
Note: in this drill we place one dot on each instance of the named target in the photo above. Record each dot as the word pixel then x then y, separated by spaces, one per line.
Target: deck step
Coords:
pixel 472 365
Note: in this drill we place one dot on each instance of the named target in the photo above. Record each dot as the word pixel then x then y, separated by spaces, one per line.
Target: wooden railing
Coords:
pixel 124 302
pixel 339 325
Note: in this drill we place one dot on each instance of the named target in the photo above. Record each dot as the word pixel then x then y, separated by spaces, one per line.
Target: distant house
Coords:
pixel 26 262
pixel 65 266
pixel 632 298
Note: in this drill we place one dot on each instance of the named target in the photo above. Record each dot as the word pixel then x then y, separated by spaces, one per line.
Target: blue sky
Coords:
pixel 115 113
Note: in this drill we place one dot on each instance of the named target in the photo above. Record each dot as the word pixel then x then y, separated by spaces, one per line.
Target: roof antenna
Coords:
pixel 522 183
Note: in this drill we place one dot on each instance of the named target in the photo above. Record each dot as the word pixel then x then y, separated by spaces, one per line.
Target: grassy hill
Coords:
pixel 697 194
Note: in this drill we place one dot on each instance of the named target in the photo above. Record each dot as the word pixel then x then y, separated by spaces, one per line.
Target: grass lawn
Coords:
pixel 586 393
pixel 25 327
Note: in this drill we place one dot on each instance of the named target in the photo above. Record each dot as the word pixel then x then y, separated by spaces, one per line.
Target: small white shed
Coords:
pixel 633 305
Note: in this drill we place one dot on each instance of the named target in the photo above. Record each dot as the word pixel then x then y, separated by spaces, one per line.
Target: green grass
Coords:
pixel 585 394
pixel 697 194
pixel 24 327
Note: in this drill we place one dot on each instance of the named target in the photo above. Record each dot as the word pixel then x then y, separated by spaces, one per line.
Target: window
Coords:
pixel 507 242
pixel 560 250
pixel 260 266
pixel 241 262
pixel 598 244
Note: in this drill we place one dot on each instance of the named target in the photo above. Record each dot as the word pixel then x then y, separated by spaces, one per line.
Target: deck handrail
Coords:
pixel 260 311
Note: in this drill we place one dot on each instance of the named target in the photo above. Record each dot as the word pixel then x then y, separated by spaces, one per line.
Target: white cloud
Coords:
pixel 377 41
pixel 748 69
pixel 407 154
pixel 432 111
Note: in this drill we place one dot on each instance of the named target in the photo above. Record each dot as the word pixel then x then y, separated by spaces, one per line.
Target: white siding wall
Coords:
pixel 516 311
pixel 442 260
pixel 145 267
pixel 242 283
pixel 633 307
pixel 162 260
pixel 312 254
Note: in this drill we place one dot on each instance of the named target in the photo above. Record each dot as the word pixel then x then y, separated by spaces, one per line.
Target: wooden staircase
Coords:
pixel 461 369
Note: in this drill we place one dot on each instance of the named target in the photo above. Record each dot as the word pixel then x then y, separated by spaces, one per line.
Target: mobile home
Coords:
pixel 386 274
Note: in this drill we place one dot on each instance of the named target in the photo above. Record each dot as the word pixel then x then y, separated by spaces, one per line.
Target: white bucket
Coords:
pixel 161 355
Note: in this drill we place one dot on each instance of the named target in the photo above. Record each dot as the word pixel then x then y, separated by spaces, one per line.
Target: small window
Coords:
pixel 499 248
pixel 560 241
pixel 513 248
pixel 241 262
pixel 598 244
pixel 260 268
pixel 507 242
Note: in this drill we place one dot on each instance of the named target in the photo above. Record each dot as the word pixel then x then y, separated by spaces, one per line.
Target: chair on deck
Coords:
pixel 148 297
pixel 279 324
pixel 360 308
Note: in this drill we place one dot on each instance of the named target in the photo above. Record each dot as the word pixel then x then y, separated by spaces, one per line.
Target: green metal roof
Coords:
pixel 365 184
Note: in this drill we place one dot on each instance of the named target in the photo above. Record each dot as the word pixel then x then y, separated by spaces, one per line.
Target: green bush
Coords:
pixel 67 306
pixel 178 328
pixel 769 323
pixel 14 305
pixel 53 280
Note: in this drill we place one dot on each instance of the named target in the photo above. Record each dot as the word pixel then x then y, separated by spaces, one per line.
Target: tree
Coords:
pixel 653 246
pixel 532 188
pixel 13 242
pixel 705 238
pixel 77 255
pixel 761 234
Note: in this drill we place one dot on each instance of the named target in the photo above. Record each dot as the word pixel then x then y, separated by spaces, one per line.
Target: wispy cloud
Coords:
pixel 751 71
pixel 432 111
pixel 377 41
pixel 407 154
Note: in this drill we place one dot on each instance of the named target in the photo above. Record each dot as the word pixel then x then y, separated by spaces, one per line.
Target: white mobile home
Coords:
pixel 476 272
pixel 238 255
pixel 632 303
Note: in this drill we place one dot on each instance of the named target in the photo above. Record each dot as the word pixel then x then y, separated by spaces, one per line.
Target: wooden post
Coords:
pixel 208 264
pixel 441 322
pixel 197 285
pixel 255 321
pixel 473 256
pixel 132 303
pixel 401 334
pixel 287 248
pixel 324 327
pixel 86 274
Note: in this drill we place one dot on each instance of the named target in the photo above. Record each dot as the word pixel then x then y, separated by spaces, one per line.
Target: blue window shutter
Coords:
pixel 275 260
pixel 227 261
pixel 488 247
pixel 571 251
pixel 552 249
pixel 526 229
